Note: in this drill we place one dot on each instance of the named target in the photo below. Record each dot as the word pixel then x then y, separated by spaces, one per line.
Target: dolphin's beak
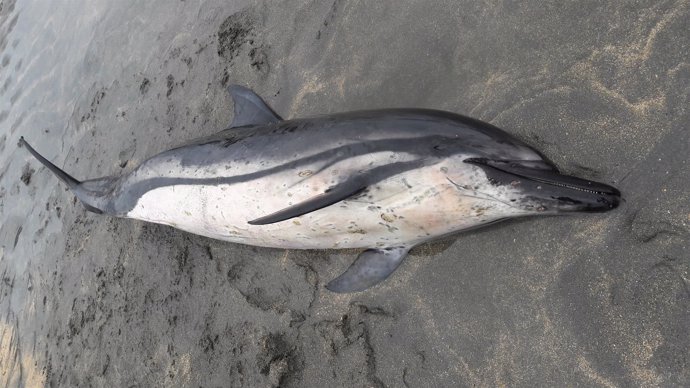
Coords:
pixel 549 191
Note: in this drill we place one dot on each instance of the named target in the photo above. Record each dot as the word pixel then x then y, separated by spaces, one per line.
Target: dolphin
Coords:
pixel 380 180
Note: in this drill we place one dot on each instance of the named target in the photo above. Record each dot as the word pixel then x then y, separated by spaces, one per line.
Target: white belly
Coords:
pixel 405 209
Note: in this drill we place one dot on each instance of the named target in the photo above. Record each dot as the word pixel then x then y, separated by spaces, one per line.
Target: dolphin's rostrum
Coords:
pixel 384 180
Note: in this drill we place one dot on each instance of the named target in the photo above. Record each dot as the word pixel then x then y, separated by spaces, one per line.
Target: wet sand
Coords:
pixel 590 300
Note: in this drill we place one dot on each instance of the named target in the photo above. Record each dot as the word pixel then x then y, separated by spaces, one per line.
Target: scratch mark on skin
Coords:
pixel 482 196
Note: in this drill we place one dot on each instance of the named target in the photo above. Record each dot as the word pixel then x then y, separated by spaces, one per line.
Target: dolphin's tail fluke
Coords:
pixel 65 177
pixel 90 192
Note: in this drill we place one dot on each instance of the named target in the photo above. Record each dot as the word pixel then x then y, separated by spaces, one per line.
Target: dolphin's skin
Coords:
pixel 384 180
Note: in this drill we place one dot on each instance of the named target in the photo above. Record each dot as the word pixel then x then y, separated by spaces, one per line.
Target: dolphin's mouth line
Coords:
pixel 558 179
pixel 559 184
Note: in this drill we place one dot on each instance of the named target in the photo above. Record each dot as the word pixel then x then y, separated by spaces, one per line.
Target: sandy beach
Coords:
pixel 601 88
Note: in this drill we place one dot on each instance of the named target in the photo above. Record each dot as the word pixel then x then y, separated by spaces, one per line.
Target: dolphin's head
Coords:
pixel 518 175
pixel 536 185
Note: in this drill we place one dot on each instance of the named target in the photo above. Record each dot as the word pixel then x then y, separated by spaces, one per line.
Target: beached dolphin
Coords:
pixel 384 180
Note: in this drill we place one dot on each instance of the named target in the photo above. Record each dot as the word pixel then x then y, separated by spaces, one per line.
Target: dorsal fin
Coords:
pixel 250 109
